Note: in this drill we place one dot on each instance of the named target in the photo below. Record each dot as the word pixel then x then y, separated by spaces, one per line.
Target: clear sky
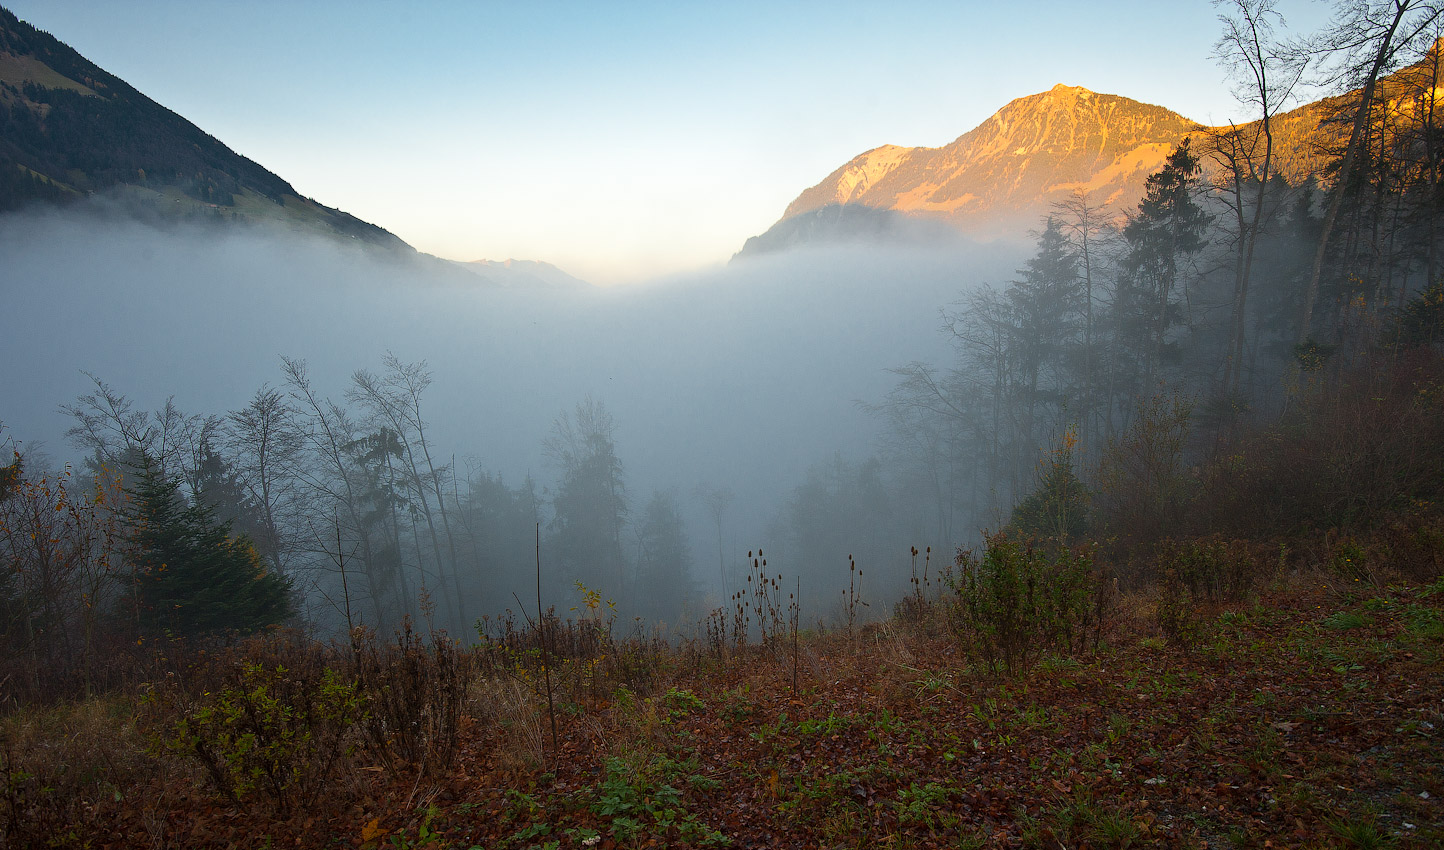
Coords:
pixel 618 140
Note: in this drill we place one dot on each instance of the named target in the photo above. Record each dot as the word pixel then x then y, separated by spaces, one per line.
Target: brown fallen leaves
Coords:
pixel 1275 731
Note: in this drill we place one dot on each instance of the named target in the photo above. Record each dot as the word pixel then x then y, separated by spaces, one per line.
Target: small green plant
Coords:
pixel 1113 829
pixel 1017 602
pixel 425 835
pixel 1059 664
pixel 1349 561
pixel 682 703
pixel 829 725
pixel 1424 622
pixel 637 798
pixel 1345 620
pixel 1080 822
pixel 1362 833
pixel 923 805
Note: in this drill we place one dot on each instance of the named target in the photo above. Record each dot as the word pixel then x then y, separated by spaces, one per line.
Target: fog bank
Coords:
pixel 740 377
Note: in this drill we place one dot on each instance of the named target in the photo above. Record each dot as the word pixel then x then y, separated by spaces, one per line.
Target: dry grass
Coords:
pixel 67 768
pixel 517 715
pixel 87 772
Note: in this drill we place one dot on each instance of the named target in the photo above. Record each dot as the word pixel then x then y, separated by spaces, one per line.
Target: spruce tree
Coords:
pixel 1169 225
pixel 191 574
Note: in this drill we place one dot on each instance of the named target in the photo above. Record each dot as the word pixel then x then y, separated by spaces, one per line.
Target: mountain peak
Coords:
pixel 1035 151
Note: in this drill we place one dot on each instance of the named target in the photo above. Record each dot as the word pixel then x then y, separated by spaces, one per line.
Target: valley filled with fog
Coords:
pixel 739 379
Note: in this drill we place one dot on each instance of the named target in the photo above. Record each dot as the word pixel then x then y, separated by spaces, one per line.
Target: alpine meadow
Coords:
pixel 1077 483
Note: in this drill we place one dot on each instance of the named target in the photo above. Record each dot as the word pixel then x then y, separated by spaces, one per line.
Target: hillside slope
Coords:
pixel 69 129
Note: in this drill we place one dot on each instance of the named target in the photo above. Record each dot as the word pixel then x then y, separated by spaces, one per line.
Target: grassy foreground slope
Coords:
pixel 1308 717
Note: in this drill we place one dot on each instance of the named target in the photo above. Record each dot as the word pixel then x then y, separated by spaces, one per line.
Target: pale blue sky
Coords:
pixel 619 141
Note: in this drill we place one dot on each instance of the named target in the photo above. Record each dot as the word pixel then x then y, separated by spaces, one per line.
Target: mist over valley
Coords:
pixel 892 367
pixel 740 378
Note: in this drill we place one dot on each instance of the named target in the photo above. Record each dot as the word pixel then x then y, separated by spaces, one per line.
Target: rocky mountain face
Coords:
pixel 1034 152
pixel 1003 177
pixel 70 130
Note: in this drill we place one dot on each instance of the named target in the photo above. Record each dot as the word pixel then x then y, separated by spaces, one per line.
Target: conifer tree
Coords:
pixel 590 505
pixel 1169 225
pixel 664 560
pixel 191 574
pixel 1047 307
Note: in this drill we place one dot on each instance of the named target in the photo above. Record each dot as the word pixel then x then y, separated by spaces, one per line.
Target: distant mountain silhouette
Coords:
pixel 845 223
pixel 523 274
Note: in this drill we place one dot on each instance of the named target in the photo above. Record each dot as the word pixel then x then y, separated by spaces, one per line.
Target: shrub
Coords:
pixel 1178 614
pixel 1210 570
pixel 1017 602
pixel 1196 574
pixel 1351 456
pixel 274 731
pixel 1144 486
pixel 1411 546
pixel 415 691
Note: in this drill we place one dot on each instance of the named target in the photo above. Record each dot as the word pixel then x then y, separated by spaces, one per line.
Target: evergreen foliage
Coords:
pixel 664 559
pixel 1168 226
pixel 1421 321
pixel 1058 508
pixel 590 506
pixel 192 576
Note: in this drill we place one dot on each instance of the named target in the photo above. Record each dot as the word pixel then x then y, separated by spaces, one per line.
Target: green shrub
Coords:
pixel 1193 574
pixel 1018 602
pixel 1178 614
pixel 273 731
pixel 1211 570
